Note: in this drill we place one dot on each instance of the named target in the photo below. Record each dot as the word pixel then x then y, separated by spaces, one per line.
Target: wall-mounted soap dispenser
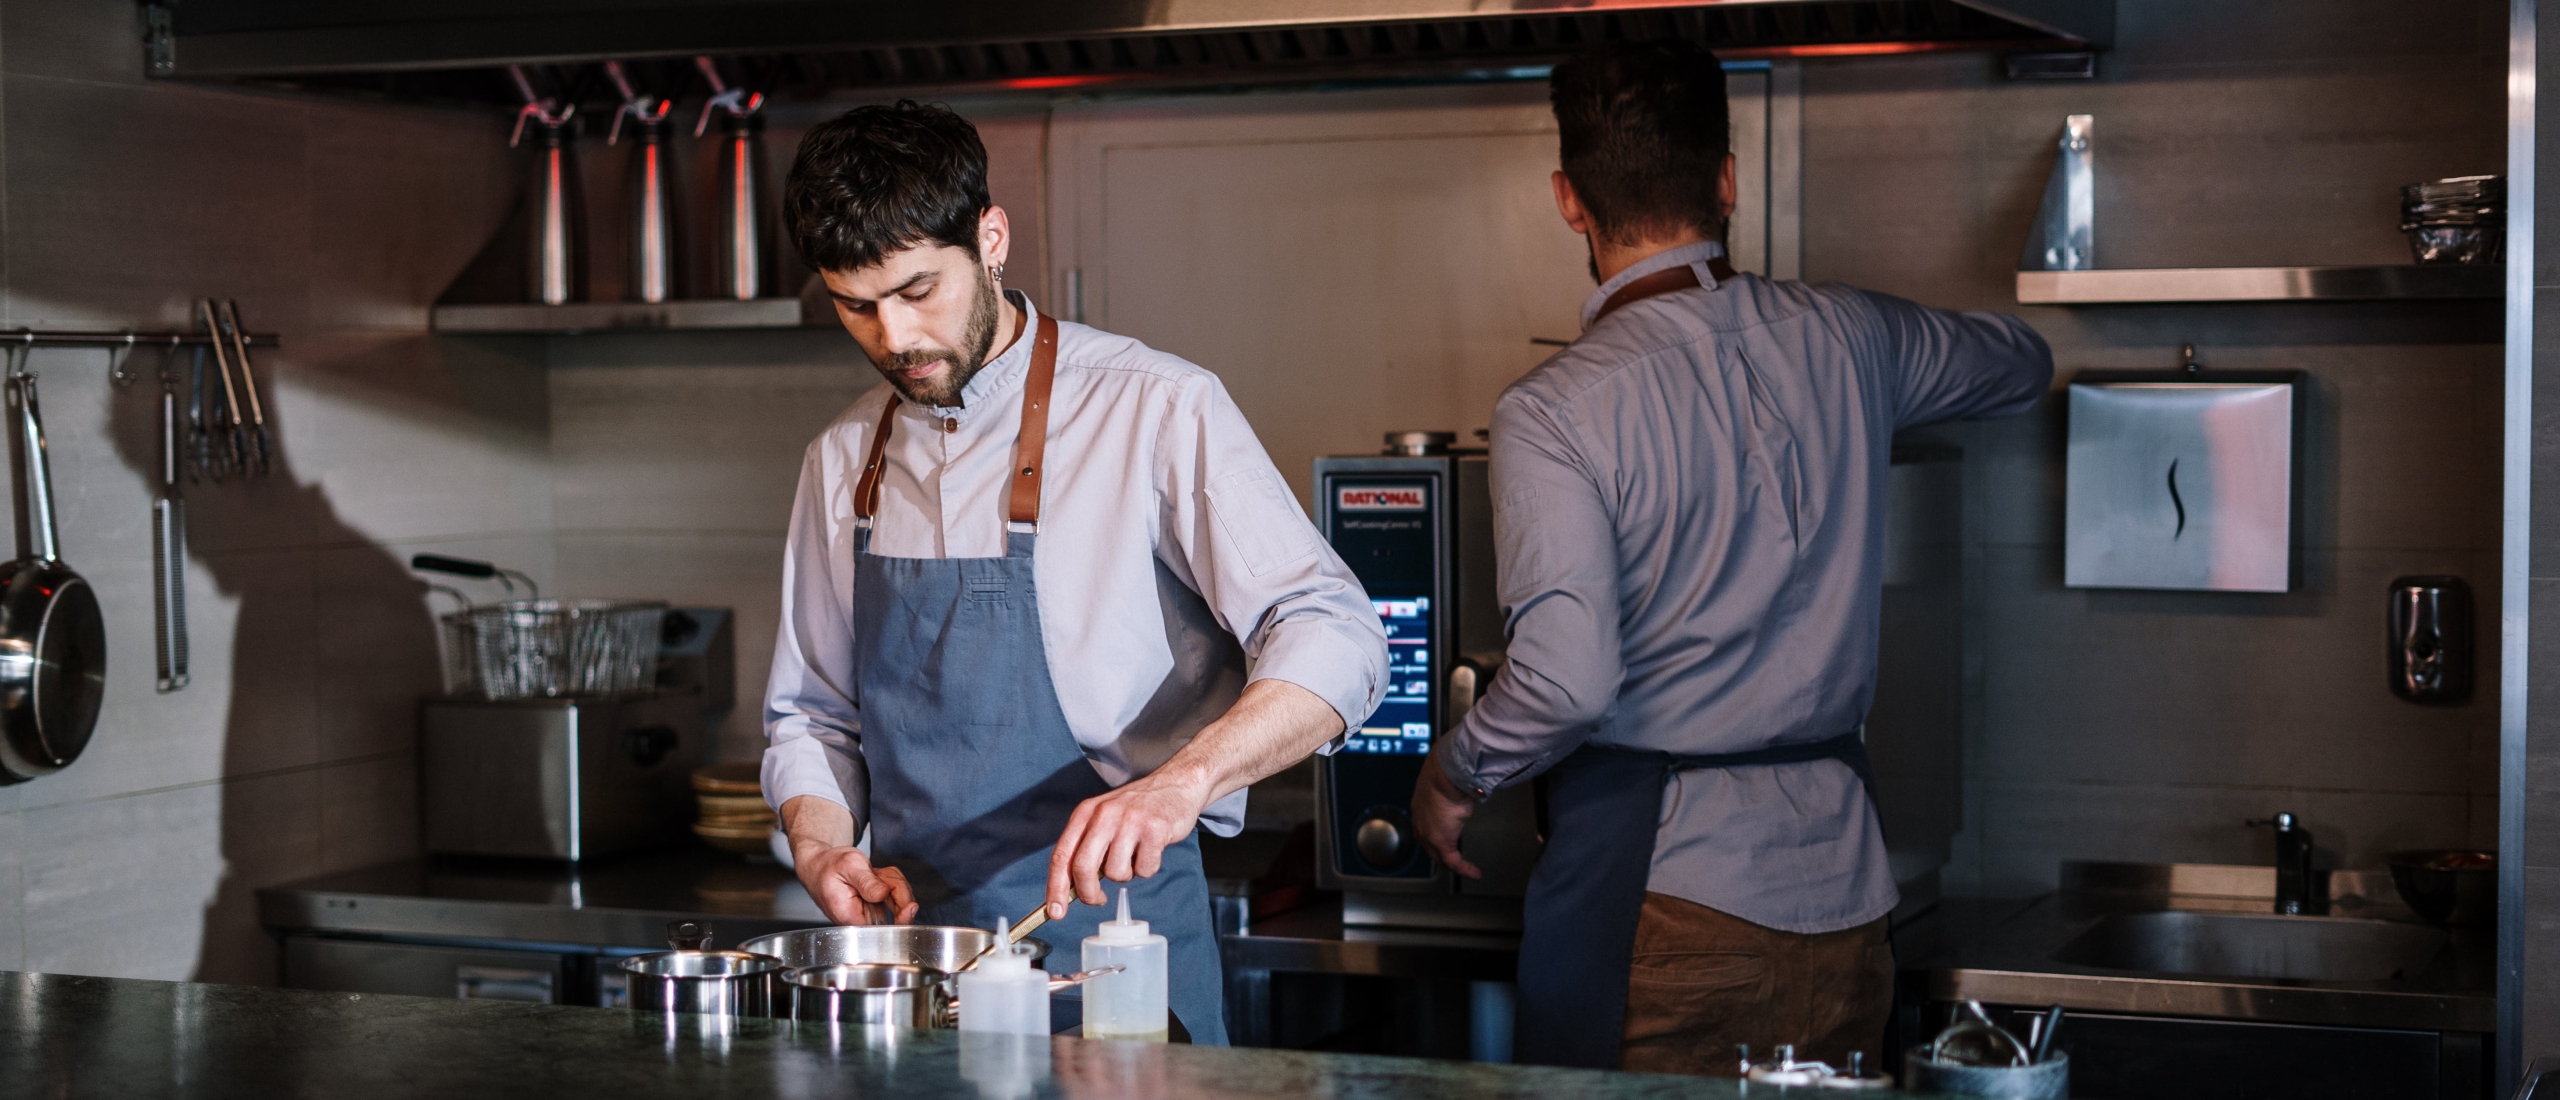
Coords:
pixel 2431 639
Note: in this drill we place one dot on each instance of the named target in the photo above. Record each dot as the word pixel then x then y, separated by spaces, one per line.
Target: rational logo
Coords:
pixel 1378 498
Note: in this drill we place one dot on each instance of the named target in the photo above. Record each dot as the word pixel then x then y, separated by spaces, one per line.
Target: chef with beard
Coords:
pixel 1021 585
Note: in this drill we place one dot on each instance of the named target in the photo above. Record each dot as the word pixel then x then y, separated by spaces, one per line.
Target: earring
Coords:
pixel 999 270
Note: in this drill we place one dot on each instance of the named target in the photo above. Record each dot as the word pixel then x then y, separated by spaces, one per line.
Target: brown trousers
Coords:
pixel 1704 983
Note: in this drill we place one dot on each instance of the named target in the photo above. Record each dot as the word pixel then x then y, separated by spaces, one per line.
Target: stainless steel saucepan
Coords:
pixel 891 994
pixel 694 978
pixel 874 994
pixel 936 947
pixel 53 641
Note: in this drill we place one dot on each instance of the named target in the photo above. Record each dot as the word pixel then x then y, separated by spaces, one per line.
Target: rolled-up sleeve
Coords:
pixel 813 727
pixel 1954 366
pixel 1235 534
pixel 1558 583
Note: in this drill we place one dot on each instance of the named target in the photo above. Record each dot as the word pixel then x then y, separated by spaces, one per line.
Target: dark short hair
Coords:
pixel 1644 131
pixel 877 180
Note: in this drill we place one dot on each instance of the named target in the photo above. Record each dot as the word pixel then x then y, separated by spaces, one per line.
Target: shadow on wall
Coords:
pixel 252 535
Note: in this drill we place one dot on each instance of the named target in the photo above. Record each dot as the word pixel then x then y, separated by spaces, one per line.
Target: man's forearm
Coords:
pixel 809 819
pixel 1273 725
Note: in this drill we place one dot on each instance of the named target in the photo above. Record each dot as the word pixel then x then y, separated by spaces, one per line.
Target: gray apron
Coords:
pixel 973 768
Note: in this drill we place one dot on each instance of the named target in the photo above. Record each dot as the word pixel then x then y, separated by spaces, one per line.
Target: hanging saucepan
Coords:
pixel 53 641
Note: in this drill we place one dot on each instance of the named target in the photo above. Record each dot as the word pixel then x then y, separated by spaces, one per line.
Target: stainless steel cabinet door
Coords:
pixel 417 970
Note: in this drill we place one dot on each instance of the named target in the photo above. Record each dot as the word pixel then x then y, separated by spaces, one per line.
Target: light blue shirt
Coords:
pixel 1689 508
pixel 1170 551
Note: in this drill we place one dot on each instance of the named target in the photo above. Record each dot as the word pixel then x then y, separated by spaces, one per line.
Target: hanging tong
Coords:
pixel 199 443
pixel 739 102
pixel 223 423
pixel 635 103
pixel 259 447
pixel 169 543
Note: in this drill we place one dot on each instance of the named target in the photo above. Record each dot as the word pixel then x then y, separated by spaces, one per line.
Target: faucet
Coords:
pixel 2293 865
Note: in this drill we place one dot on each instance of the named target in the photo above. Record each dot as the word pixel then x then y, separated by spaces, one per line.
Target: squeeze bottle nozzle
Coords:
pixel 1123 930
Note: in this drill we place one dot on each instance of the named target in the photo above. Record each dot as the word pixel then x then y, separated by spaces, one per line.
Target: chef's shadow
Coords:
pixel 323 622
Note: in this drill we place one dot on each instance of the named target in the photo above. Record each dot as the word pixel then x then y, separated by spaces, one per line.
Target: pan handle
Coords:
pixel 36 531
pixel 460 567
pixel 476 570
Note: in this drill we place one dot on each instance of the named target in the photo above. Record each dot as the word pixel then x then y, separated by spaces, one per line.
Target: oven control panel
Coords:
pixel 1390 526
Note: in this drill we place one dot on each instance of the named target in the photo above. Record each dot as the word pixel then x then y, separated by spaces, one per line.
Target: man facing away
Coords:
pixel 1689 515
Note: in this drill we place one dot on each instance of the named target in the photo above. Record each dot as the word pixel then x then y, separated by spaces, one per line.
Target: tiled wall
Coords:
pixel 333 223
pixel 2149 725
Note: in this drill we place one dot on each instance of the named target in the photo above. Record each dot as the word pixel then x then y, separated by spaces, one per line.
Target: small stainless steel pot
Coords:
pixel 693 978
pixel 881 994
pixel 717 983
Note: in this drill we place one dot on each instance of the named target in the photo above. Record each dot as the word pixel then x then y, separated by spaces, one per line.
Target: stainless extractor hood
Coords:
pixel 455 49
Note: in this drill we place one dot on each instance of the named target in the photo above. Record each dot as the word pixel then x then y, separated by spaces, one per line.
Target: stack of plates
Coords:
pixel 2462 220
pixel 734 816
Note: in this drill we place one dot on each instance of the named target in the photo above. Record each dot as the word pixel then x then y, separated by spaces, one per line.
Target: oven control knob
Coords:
pixel 1384 841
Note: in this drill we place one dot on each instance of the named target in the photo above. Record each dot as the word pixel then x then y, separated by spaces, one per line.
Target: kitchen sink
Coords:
pixel 2256 945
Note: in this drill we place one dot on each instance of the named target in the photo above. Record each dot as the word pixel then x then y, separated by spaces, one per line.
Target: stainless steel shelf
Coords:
pixel 577 317
pixel 2260 284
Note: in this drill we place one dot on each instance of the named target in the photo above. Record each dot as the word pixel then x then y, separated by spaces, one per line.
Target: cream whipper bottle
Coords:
pixel 1131 1003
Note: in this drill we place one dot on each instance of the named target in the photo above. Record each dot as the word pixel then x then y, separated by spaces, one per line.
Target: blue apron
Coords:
pixel 973 768
pixel 1604 804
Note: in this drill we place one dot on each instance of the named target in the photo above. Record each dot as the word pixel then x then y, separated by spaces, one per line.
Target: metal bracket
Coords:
pixel 2065 229
pixel 159 41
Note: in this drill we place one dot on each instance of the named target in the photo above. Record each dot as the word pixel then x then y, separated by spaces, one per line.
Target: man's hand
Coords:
pixel 1440 813
pixel 1123 834
pixel 847 888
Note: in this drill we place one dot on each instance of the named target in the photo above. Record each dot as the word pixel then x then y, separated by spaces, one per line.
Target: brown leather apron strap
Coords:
pixel 1033 443
pixel 1028 449
pixel 1664 281
pixel 866 493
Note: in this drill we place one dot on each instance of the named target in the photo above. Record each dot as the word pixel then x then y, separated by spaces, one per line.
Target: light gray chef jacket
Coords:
pixel 1165 538
pixel 1689 508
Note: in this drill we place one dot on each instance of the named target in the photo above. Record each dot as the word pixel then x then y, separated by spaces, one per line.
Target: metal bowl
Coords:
pixel 933 946
pixel 2447 895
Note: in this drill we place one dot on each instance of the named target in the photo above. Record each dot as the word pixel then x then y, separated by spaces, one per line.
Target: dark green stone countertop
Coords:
pixel 63 1036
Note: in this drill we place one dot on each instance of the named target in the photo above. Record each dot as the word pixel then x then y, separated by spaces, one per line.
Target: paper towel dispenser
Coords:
pixel 2183 480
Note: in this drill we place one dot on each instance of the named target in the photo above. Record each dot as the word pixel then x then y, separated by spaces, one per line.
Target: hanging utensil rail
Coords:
pixel 76 338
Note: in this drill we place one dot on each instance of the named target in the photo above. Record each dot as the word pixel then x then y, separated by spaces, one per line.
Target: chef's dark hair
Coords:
pixel 1644 131
pixel 876 180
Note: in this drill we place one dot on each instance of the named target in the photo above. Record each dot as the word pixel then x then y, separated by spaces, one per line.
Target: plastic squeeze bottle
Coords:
pixel 1004 993
pixel 1131 1003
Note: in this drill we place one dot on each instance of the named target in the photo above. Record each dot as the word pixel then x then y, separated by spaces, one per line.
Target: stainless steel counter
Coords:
pixel 624 903
pixel 2012 952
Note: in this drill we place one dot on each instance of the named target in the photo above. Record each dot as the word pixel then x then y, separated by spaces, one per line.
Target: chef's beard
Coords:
pixel 979 336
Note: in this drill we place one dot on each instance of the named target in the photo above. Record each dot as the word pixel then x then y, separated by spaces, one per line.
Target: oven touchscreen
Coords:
pixel 1402 725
